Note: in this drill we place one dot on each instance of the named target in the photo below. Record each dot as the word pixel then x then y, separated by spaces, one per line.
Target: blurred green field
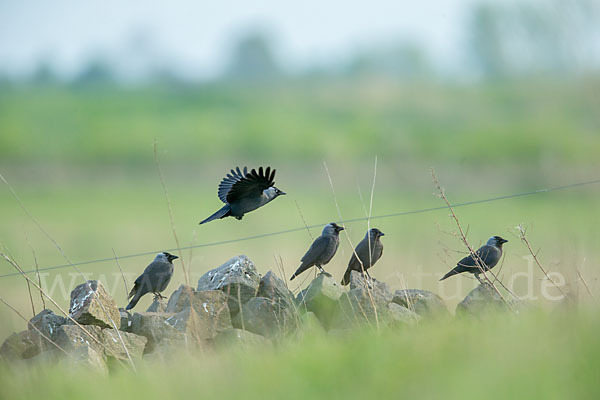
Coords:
pixel 527 123
pixel 81 161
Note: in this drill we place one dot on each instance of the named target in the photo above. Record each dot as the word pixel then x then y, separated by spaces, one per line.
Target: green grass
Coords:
pixel 534 356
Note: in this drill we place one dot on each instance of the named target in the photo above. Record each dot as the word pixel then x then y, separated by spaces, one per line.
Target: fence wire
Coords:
pixel 347 221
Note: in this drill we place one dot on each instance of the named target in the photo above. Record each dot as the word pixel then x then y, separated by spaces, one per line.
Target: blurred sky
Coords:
pixel 195 37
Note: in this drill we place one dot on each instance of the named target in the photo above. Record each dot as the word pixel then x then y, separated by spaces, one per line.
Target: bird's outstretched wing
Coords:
pixel 239 184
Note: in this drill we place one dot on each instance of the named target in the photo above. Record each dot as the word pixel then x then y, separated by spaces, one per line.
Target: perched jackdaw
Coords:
pixel 364 262
pixel 322 250
pixel 244 191
pixel 154 279
pixel 489 254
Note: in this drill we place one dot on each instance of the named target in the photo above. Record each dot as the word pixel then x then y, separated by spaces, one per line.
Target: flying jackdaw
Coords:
pixel 489 254
pixel 154 279
pixel 244 191
pixel 364 262
pixel 322 250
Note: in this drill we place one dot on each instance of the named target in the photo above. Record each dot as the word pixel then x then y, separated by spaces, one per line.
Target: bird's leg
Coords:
pixel 322 271
pixel 158 296
pixel 369 280
pixel 479 279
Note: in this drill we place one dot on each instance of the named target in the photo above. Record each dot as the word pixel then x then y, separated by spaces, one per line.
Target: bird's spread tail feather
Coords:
pixel 222 213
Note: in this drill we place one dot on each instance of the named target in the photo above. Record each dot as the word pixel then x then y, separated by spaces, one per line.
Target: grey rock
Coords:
pixel 179 299
pixel 358 308
pixel 274 288
pixel 207 301
pixel 239 337
pixel 481 301
pixel 78 358
pixel 308 326
pixel 21 345
pixel 87 357
pixel 126 320
pixel 92 305
pixel 400 315
pixel 167 349
pixel 155 329
pixel 426 304
pixel 47 323
pixel 201 323
pixel 366 303
pixel 266 317
pixel 157 306
pixel 379 290
pixel 310 322
pixel 321 297
pixel 70 337
pixel 237 278
pixel 210 308
pixel 114 340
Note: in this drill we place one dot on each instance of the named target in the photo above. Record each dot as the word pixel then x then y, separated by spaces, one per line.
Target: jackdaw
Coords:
pixel 322 250
pixel 364 262
pixel 489 254
pixel 244 191
pixel 154 279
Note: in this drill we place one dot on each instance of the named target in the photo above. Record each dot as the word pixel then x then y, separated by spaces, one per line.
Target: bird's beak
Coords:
pixel 381 234
pixel 504 240
pixel 174 258
pixel 282 192
pixel 340 228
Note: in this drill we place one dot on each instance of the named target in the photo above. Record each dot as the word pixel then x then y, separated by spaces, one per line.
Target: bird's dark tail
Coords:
pixel 222 213
pixel 452 272
pixel 133 293
pixel 133 302
pixel 346 278
pixel 303 267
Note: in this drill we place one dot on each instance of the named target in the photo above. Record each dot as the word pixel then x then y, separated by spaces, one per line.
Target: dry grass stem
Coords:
pixel 166 192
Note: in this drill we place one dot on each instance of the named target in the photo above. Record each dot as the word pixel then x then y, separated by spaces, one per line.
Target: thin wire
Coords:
pixel 263 235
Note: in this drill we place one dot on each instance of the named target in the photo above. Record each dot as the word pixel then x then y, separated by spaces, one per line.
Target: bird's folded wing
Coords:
pixel 362 251
pixel 488 255
pixel 156 270
pixel 468 261
pixel 484 253
pixel 238 184
pixel 316 249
